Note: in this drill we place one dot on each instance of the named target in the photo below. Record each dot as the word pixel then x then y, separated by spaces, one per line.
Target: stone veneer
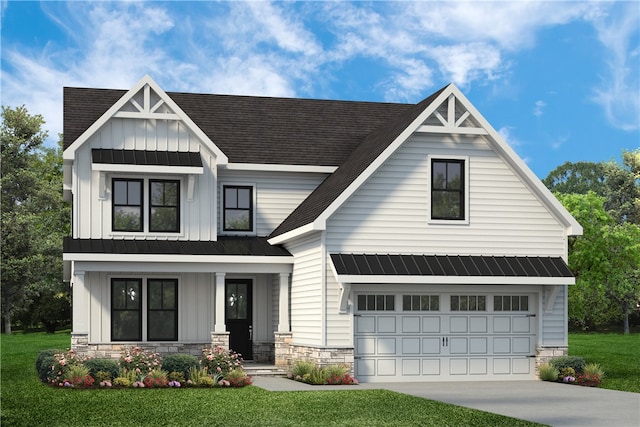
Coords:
pixel 544 354
pixel 80 344
pixel 286 353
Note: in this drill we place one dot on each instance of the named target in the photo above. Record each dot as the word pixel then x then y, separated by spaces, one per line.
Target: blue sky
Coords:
pixel 559 80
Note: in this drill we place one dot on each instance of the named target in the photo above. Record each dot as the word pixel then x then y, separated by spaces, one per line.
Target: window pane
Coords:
pixel 473 304
pixel 424 303
pixel 434 302
pixel 244 198
pixel 162 325
pixel 237 220
pixel 390 303
pixel 515 303
pixel 482 303
pixel 454 176
pixel 230 198
pixel 439 176
pixel 362 302
pixel 524 303
pixel 171 193
pixel 379 302
pixel 455 302
pixel 371 302
pixel 169 295
pixel 120 192
pixel 126 320
pixel 127 218
pixel 406 302
pixel 446 204
pixel 135 193
pixel 164 219
pixel 155 295
pixel 157 193
pixel 125 326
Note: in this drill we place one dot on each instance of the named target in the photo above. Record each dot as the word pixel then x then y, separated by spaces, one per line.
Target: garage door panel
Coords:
pixel 386 325
pixel 458 324
pixel 502 324
pixel 521 345
pixel 366 367
pixel 521 325
pixel 478 345
pixel 365 346
pixel 410 367
pixel 501 366
pixel 521 366
pixel 501 345
pixel 410 324
pixel 478 366
pixel 458 345
pixel 431 345
pixel 386 367
pixel 431 366
pixel 478 324
pixel 365 324
pixel 458 366
pixel 386 345
pixel 411 345
pixel 431 325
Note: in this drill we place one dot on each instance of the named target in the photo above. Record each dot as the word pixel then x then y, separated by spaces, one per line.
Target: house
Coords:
pixel 409 241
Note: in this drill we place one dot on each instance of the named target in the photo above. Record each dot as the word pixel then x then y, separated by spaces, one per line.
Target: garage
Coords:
pixel 445 336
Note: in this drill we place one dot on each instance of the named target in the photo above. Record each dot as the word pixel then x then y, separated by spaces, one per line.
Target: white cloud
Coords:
pixel 619 91
pixel 539 107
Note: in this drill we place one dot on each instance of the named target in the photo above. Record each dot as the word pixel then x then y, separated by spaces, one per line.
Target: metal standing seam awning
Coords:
pixel 448 269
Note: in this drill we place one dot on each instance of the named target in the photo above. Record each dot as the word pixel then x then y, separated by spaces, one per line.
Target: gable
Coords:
pixel 446 112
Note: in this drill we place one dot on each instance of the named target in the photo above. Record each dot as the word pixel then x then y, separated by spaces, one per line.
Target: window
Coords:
pixel 164 207
pixel 127 205
pixel 447 189
pixel 238 208
pixel 510 303
pixel 468 303
pixel 376 302
pixel 129 199
pixel 126 304
pixel 128 307
pixel 162 310
pixel 420 303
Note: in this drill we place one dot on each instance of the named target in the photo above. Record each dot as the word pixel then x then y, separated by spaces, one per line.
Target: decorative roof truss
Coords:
pixel 452 117
pixel 146 104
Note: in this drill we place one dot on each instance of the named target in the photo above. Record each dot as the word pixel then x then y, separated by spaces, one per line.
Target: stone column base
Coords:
pixel 220 339
pixel 80 343
pixel 283 351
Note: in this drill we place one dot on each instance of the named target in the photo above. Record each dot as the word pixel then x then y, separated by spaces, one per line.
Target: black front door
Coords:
pixel 238 309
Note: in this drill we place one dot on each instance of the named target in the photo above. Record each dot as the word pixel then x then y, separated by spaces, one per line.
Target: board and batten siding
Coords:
pixel 195 304
pixel 92 215
pixel 277 194
pixel 306 290
pixel 390 212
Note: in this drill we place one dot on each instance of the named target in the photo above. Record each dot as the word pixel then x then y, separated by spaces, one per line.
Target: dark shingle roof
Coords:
pixel 447 265
pixel 226 245
pixel 252 129
pixel 145 157
pixel 361 157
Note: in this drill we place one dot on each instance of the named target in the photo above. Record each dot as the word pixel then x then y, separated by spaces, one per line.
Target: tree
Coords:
pixel 34 217
pixel 623 188
pixel 578 178
pixel 606 262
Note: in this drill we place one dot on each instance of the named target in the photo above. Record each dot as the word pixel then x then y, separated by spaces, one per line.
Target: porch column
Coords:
pixel 219 325
pixel 80 304
pixel 283 306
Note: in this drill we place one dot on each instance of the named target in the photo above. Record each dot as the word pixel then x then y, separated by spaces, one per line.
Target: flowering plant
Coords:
pixel 139 361
pixel 220 361
pixel 589 380
pixel 569 379
pixel 236 378
pixel 62 364
pixel 156 378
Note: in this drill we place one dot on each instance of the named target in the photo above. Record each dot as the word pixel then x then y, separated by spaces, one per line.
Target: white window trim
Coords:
pixel 449 222
pixel 254 209
pixel 145 208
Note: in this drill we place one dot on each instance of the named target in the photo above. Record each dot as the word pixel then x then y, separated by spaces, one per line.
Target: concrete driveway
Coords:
pixel 542 402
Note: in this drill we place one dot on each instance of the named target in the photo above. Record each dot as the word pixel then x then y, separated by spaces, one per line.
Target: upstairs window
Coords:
pixel 164 207
pixel 127 205
pixel 448 189
pixel 238 208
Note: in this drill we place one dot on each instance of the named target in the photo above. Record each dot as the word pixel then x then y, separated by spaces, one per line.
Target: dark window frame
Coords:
pixel 114 282
pixel 461 192
pixel 115 205
pixel 225 209
pixel 176 206
pixel 376 302
pixel 174 310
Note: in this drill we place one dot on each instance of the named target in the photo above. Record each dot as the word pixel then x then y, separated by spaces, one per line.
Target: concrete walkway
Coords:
pixel 548 403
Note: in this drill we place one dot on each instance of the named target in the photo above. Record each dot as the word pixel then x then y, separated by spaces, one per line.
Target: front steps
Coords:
pixel 264 370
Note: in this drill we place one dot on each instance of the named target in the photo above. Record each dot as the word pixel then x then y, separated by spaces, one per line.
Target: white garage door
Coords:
pixel 444 337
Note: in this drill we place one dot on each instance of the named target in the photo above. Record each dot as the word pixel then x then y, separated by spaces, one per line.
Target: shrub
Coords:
pixel 156 378
pixel 301 368
pixel 44 362
pixel 237 378
pixel 575 362
pixel 177 376
pixel 78 376
pixel 567 375
pixel 220 361
pixel 62 363
pixel 139 360
pixel 308 372
pixel 102 376
pixel 591 376
pixel 105 365
pixel 200 377
pixel 180 363
pixel 121 382
pixel 549 372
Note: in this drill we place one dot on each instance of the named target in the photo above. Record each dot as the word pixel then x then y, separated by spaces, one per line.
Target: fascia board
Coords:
pixel 456 280
pixel 173 258
pixel 279 168
pixel 293 234
pixel 320 222
pixel 69 153
pixel 517 164
pixel 136 267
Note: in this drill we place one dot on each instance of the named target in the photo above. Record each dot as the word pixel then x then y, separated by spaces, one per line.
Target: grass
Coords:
pixel 617 354
pixel 28 402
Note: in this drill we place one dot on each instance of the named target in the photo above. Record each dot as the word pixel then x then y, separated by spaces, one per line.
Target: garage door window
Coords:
pixel 511 303
pixel 468 303
pixel 376 302
pixel 420 303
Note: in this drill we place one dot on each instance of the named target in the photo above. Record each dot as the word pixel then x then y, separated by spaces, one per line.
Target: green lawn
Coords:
pixel 617 354
pixel 27 402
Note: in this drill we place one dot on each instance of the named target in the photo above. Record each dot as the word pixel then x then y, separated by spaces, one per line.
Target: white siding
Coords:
pixel 277 194
pixel 92 216
pixel 389 213
pixel 554 324
pixel 306 290
pixel 339 325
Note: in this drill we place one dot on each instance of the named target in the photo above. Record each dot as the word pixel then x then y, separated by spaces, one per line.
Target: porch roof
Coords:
pixel 225 245
pixel 146 157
